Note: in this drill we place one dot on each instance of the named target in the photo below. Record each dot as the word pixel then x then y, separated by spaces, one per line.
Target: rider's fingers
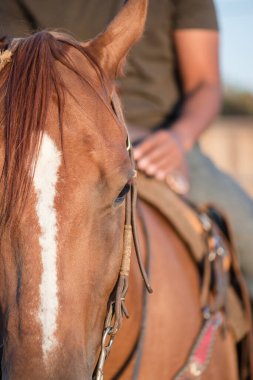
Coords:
pixel 166 167
pixel 150 143
pixel 154 156
pixel 164 164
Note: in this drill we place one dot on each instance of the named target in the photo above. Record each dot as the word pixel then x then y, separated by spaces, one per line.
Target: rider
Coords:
pixel 171 93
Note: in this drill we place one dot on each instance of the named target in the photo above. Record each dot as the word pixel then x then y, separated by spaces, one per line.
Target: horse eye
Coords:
pixel 121 197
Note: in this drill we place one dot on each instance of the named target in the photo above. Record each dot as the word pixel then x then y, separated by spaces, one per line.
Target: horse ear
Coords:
pixel 111 47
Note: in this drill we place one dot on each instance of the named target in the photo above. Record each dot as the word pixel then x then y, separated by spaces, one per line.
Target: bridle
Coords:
pixel 117 308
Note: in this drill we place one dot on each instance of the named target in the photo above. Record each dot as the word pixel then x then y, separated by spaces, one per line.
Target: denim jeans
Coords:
pixel 211 185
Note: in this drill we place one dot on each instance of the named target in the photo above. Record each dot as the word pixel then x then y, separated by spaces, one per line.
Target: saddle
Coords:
pixel 193 225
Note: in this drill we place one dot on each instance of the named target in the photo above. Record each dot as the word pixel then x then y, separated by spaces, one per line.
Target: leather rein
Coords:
pixel 117 308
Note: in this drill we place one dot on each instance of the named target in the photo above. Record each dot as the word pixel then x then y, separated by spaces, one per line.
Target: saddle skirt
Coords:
pixel 189 226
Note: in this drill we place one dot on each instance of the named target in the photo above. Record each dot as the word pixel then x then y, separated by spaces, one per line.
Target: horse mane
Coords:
pixel 26 88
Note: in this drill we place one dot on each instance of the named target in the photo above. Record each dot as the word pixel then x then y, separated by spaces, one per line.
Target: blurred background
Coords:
pixel 230 140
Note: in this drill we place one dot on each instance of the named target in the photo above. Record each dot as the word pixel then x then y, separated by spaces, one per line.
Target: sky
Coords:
pixel 236 24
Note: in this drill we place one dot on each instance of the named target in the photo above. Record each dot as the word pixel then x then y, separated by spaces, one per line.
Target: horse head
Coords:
pixel 66 172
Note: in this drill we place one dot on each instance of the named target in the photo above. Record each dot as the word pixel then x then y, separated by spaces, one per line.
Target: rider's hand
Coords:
pixel 162 155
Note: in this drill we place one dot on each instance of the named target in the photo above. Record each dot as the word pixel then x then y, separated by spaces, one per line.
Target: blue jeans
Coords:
pixel 210 185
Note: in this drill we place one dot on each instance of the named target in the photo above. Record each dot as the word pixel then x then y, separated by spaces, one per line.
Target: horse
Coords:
pixel 67 195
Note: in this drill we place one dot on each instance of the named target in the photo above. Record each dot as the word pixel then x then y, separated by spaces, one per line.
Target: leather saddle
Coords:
pixel 189 223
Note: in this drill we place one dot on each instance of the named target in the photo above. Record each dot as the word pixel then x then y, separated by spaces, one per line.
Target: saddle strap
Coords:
pixel 201 353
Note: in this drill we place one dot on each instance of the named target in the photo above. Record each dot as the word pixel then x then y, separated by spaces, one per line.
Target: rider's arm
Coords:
pixel 196 43
pixel 197 52
pixel 163 152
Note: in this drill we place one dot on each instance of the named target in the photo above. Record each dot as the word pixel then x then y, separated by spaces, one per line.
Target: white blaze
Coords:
pixel 45 180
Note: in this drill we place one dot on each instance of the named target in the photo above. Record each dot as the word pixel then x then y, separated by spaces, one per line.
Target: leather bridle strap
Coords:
pixel 138 346
pixel 140 343
pixel 117 308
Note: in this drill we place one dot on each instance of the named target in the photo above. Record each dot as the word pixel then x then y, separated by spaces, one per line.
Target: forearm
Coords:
pixel 199 110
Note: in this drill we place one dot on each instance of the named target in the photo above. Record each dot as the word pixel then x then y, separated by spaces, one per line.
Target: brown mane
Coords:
pixel 26 88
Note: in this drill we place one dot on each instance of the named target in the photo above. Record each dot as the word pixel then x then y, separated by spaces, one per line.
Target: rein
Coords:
pixel 117 308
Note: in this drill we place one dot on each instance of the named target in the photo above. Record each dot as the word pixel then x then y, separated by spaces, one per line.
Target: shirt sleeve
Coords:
pixel 195 14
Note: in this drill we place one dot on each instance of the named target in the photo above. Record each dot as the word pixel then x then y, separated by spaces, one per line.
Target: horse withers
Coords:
pixel 66 176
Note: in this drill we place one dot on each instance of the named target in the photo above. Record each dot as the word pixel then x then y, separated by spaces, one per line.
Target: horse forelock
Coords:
pixel 26 89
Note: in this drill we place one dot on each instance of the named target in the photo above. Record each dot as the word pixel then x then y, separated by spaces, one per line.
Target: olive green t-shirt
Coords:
pixel 150 89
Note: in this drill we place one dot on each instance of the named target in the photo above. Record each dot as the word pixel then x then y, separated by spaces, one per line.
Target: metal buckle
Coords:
pixel 128 143
pixel 105 351
pixel 206 222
